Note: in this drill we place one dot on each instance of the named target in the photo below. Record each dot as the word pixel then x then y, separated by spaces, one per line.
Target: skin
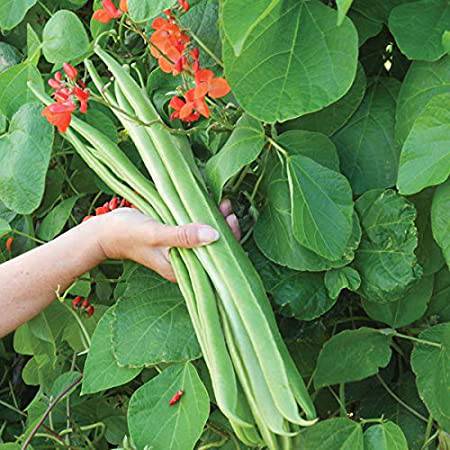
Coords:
pixel 29 283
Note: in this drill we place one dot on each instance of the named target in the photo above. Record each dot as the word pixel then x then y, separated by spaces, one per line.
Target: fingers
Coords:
pixel 225 207
pixel 185 236
pixel 233 223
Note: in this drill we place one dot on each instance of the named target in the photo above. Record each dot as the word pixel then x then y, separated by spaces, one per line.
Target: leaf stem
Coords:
pixel 399 400
pixel 419 341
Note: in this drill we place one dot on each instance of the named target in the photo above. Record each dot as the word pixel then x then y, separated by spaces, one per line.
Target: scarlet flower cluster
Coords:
pixel 109 11
pixel 109 206
pixel 172 48
pixel 83 304
pixel 67 93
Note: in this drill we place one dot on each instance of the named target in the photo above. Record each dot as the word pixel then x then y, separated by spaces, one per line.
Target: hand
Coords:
pixel 128 234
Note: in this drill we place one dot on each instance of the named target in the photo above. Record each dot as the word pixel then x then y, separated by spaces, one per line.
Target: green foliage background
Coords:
pixel 336 159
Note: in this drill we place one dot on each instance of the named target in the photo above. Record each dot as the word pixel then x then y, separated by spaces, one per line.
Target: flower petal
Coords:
pixel 218 87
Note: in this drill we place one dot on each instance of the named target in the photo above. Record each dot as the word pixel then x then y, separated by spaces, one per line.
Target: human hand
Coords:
pixel 126 233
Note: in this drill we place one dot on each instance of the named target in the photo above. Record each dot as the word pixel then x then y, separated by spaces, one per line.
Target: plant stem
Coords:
pixel 343 412
pixel 86 336
pixel 28 236
pixel 400 401
pixel 419 341
pixel 206 49
pixel 49 409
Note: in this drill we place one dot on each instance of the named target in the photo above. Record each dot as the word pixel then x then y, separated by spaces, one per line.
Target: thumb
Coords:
pixel 186 236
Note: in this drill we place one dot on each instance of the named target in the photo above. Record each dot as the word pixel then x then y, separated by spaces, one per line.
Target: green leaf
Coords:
pixel 302 295
pixel 428 252
pixel 418 27
pixel 238 25
pixel 5 228
pixel 431 364
pixel 14 91
pixel 423 81
pixel 378 10
pixel 333 117
pixel 12 12
pixel 352 355
pixel 9 56
pixel 344 278
pixel 33 45
pixel 322 207
pixel 63 382
pixel 367 28
pixel 24 158
pixel 342 6
pixel 406 310
pixel 439 304
pixel 273 231
pixel 243 147
pixel 385 259
pixel 366 145
pixel 334 434
pixel 314 145
pixel 152 324
pixel 313 66
pixel 446 41
pixel 55 220
pixel 64 38
pixel 201 20
pixel 143 10
pixel 156 424
pixel 425 157
pixel 101 370
pixel 385 436
pixel 440 219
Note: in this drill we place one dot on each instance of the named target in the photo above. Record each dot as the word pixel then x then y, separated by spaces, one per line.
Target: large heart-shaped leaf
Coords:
pixel 418 28
pixel 237 26
pixel 152 324
pixel 431 364
pixel 156 424
pixel 101 370
pixel 352 355
pixel 24 157
pixel 322 207
pixel 243 146
pixel 310 66
pixel 64 38
pixel 422 82
pixel 366 144
pixel 12 12
pixel 385 436
pixel 440 219
pixel 425 157
pixel 333 434
pixel 330 119
pixel 406 310
pixel 385 259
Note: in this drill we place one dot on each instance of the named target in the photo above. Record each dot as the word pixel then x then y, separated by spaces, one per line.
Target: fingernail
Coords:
pixel 206 235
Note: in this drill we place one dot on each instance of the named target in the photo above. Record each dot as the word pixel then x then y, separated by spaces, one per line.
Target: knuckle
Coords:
pixel 185 237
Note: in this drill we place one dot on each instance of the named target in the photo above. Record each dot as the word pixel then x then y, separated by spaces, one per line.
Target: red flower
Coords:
pixel 208 84
pixel 124 5
pixel 70 71
pixel 184 4
pixel 60 114
pixel 9 243
pixel 189 109
pixel 168 44
pixel 83 97
pixel 107 13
